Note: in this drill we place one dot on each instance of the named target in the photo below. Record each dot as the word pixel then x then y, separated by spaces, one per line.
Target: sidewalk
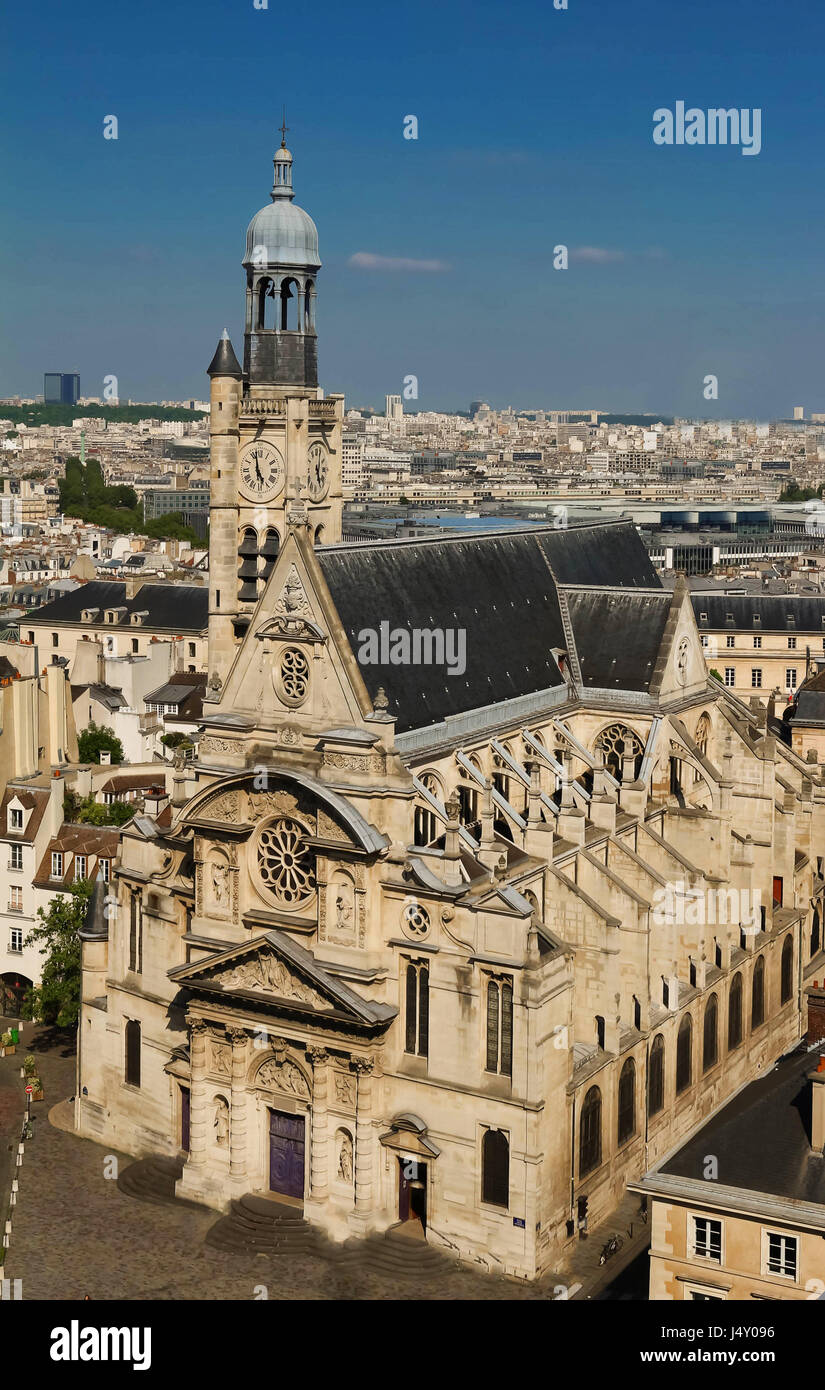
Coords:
pixel 583 1267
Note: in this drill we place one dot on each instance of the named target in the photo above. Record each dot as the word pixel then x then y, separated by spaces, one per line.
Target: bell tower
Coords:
pixel 275 438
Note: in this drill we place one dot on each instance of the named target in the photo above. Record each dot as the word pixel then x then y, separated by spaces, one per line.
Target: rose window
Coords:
pixel 294 675
pixel 415 920
pixel 286 862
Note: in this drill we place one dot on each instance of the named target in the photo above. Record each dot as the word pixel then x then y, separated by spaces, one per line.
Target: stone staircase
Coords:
pixel 392 1253
pixel 261 1226
pixel 152 1179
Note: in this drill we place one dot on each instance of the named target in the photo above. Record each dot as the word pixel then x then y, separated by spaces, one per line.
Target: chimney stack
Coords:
pixel 818 1107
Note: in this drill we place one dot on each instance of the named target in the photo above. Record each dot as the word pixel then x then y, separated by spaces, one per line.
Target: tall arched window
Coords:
pixel 710 1041
pixel 702 736
pixel 656 1076
pixel 132 1068
pixel 616 743
pixel 758 993
pixel 495 1168
pixel 735 1013
pixel 590 1132
pixel 816 936
pixel 684 1045
pixel 627 1101
pixel 786 984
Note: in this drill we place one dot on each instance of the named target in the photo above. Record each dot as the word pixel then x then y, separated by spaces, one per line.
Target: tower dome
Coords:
pixel 281 264
pixel 282 233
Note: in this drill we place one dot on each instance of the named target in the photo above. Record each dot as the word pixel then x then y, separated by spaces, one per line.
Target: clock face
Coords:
pixel 262 471
pixel 317 472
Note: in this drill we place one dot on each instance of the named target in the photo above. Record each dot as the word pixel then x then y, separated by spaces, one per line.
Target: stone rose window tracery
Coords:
pixel 294 676
pixel 286 862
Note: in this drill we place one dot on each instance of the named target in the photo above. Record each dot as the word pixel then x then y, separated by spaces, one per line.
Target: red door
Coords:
pixel 286 1153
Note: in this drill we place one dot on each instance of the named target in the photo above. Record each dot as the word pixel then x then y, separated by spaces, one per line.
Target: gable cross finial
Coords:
pixel 283 127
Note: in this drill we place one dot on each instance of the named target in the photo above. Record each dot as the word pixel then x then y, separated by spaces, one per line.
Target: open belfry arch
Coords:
pixel 432 948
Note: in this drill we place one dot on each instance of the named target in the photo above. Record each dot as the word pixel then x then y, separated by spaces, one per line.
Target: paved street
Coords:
pixel 76 1233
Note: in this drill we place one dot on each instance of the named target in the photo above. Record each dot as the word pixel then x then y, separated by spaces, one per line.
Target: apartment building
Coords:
pixel 739 1211
pixel 126 618
pixel 761 643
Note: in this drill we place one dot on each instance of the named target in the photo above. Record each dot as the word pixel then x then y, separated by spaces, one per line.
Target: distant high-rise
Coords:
pixel 799 412
pixel 394 408
pixel 61 388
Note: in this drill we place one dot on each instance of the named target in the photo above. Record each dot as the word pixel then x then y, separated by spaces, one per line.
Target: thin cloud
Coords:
pixel 367 260
pixel 596 255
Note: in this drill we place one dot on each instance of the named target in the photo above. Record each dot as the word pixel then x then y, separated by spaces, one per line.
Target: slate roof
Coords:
pixel 810 702
pixel 762 1138
pixel 501 589
pixel 776 612
pixel 169 607
pixel 618 634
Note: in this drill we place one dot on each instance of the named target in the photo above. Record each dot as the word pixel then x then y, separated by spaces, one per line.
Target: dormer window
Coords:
pixel 57 864
pixel 114 615
pixel 729 618
pixel 757 619
pixel 138 618
pixel 703 617
pixel 15 818
pixel 90 615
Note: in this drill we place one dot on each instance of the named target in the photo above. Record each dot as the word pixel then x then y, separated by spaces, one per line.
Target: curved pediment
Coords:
pixel 242 801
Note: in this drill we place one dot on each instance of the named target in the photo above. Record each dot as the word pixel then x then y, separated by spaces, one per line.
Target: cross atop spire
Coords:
pixel 283 127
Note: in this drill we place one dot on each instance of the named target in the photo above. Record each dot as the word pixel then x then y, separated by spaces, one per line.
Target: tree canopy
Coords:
pixel 94 740
pixel 56 1000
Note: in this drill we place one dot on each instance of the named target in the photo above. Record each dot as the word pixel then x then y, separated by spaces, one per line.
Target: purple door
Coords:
pixel 184 1118
pixel 286 1153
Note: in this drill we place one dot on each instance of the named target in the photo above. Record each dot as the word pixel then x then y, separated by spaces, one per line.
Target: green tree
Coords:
pixel 56 1000
pixel 95 740
pixel 120 812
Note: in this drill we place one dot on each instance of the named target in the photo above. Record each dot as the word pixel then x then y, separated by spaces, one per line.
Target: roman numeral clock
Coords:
pixel 317 472
pixel 262 471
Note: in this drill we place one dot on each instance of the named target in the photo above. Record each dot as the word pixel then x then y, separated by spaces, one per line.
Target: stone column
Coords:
pixel 198 1132
pixel 237 1120
pixel 363 1066
pixel 319 1142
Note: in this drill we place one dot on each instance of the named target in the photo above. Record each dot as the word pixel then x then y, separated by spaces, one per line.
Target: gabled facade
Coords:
pixel 458 916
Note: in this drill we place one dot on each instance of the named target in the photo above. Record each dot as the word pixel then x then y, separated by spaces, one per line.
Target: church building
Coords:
pixel 468 945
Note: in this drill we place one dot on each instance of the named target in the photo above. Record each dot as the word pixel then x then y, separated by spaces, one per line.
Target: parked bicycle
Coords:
pixel 615 1243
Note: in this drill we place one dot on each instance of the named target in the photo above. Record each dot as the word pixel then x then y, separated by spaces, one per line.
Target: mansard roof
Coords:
pixel 773 612
pixel 502 590
pixel 174 607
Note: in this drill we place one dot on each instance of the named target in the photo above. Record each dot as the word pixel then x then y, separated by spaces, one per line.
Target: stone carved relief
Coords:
pixel 268 972
pixel 356 762
pixel 220 745
pixel 271 803
pixel 283 1076
pixel 222 808
pixel 328 829
pixel 220 1060
pixel 345 1089
pixel 292 601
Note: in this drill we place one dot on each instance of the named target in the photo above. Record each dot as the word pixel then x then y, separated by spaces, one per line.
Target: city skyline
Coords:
pixel 438 252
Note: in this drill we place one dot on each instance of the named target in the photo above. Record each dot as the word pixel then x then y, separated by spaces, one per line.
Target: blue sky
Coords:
pixel 535 129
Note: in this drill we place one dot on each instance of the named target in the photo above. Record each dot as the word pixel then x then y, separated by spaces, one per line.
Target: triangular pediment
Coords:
pixel 295 665
pixel 278 971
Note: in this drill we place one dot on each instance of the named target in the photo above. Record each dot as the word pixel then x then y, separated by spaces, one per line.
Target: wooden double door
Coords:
pixel 287 1144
